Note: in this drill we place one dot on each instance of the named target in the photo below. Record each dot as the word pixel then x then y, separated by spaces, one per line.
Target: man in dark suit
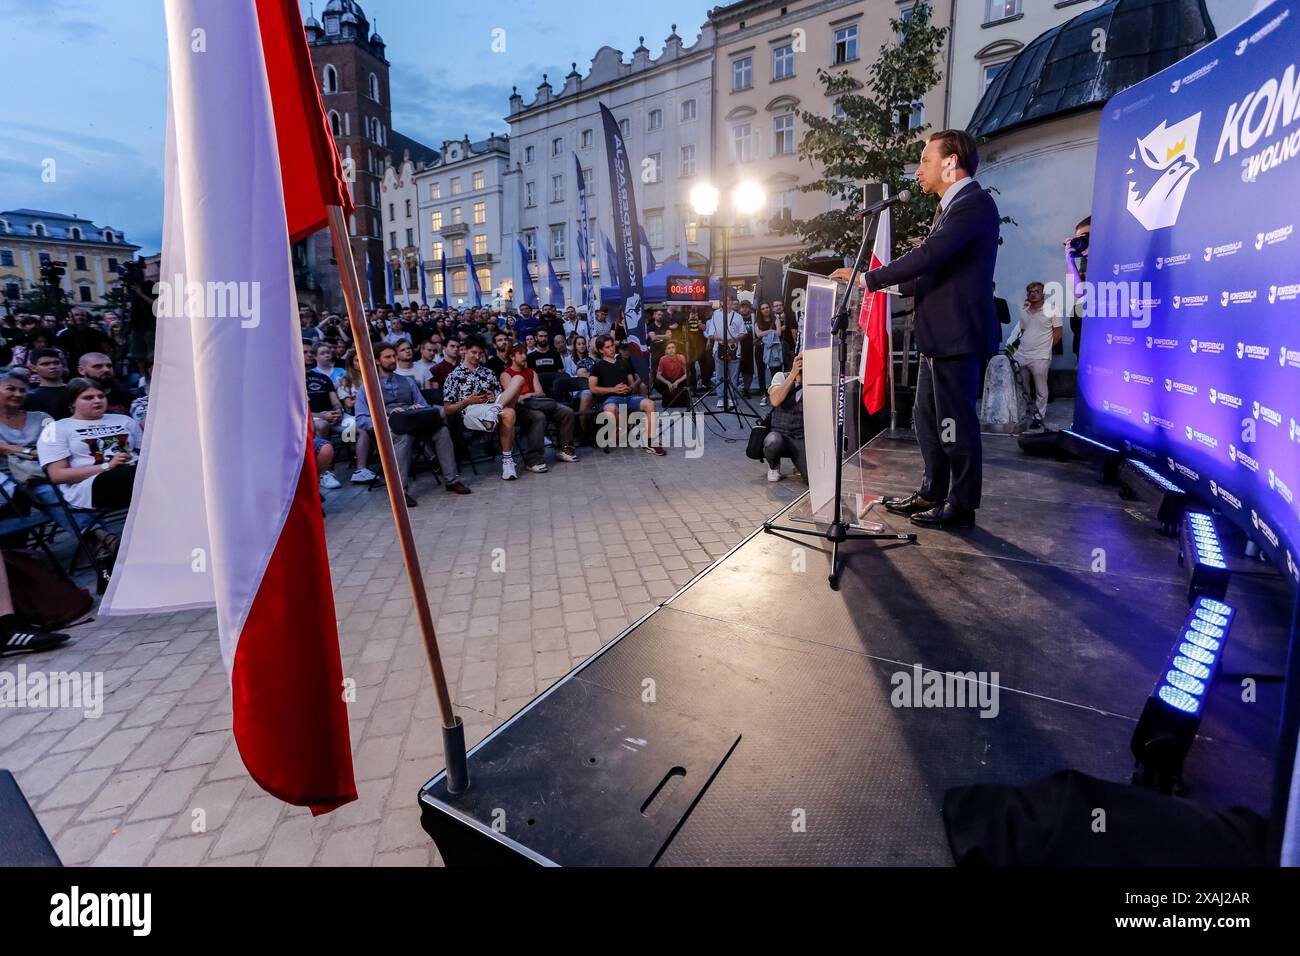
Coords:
pixel 950 275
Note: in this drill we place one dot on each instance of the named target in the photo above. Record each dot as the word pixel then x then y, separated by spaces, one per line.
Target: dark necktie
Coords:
pixel 938 214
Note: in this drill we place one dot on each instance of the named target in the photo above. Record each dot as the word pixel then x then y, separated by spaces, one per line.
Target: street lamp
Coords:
pixel 746 199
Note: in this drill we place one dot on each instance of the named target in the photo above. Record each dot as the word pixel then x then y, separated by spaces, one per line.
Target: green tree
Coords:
pixel 872 140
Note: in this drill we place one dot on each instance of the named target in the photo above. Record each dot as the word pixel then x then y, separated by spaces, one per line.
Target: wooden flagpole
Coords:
pixel 453 730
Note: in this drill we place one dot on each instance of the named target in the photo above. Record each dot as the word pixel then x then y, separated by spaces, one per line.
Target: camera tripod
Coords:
pixel 731 398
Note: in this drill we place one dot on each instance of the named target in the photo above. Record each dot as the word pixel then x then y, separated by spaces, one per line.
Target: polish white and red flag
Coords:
pixel 874 320
pixel 226 511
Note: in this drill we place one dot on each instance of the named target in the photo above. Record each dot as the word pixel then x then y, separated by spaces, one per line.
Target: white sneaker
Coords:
pixel 762 402
pixel 329 482
pixel 538 469
pixel 362 476
pixel 564 455
pixel 774 474
pixel 719 403
pixel 508 472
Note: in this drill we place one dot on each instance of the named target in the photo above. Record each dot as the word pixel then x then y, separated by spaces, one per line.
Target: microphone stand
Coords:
pixel 839 531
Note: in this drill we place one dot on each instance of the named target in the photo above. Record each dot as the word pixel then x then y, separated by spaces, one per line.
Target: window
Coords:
pixel 392 240
pixel 557 242
pixel 480 213
pixel 480 245
pixel 391 213
pixel 335 126
pixel 688 160
pixel 457 217
pixel 83 293
pixel 783 62
pixel 44 258
pixel 625 128
pixel 76 232
pixel 688 110
pixel 557 146
pixel 783 128
pixel 459 282
pixel 530 194
pixel 995 10
pixel 437 249
pixel 651 167
pixel 6 258
pixel 588 137
pixel 435 220
pixel 557 189
pixel 742 73
pixel 479 180
pixel 692 232
pixel 913 118
pixel 410 237
pixel 742 143
pixel 408 209
pixel 484 274
pixel 530 244
pixel 435 190
pixel 654 229
pixel 655 119
pixel 39 230
pixel 837 111
pixel 109 235
pixel 530 153
pixel 12 289
pixel 413 276
pixel 331 79
pixel 991 71
pixel 455 185
pixel 458 247
pixel 589 182
pixel 846 44
pixel 438 291
pixel 112 263
pixel 781 205
pixel 374 87
pixel 79 263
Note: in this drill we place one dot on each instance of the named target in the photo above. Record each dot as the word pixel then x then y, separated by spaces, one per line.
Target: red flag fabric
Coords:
pixel 874 322
pixel 310 170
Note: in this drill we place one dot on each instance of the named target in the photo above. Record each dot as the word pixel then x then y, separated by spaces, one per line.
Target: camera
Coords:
pixel 1079 244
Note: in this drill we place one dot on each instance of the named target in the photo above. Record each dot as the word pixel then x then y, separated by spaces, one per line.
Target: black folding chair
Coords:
pixel 86 541
pixel 21 518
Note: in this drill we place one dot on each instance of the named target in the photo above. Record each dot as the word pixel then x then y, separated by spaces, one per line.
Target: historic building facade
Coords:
pixel 32 238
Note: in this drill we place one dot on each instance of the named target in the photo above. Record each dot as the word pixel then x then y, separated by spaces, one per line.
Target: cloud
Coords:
pixel 431 105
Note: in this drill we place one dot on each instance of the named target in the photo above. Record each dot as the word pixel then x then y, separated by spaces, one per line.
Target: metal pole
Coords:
pixel 453 731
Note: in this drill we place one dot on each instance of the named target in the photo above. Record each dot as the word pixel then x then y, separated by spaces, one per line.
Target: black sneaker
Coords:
pixel 18 637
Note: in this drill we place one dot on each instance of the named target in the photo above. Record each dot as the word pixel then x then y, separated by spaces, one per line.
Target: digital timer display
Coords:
pixel 687 289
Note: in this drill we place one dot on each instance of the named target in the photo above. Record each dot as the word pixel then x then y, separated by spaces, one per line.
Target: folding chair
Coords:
pixel 87 545
pixel 36 525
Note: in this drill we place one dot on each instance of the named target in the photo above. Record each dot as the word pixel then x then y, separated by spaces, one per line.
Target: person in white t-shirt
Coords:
pixel 92 455
pixel 1039 329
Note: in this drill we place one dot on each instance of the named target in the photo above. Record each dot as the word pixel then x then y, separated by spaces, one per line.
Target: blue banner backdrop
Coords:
pixel 583 239
pixel 1190 352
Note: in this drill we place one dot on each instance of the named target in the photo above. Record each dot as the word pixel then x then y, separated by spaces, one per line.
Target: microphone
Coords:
pixel 902 199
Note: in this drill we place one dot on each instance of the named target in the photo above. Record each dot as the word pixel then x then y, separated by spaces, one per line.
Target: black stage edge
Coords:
pixel 748 720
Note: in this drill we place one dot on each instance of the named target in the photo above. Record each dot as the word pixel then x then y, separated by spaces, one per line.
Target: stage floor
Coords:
pixel 826 770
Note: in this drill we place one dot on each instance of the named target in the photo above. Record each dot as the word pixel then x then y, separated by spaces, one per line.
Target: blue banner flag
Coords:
pixel 389 294
pixel 424 292
pixel 528 294
pixel 583 240
pixel 446 289
pixel 370 287
pixel 556 291
pixel 650 264
pixel 475 290
pixel 626 231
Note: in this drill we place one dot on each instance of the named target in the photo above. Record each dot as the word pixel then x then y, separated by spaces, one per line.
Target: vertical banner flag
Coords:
pixel 424 292
pixel 527 293
pixel 243 533
pixel 874 320
pixel 556 297
pixel 475 290
pixel 406 293
pixel 608 260
pixel 390 285
pixel 583 239
pixel 626 231
pixel 445 302
pixel 370 287
pixel 649 258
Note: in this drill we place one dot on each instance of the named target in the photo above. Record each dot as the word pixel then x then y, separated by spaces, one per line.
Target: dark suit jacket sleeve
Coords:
pixel 959 227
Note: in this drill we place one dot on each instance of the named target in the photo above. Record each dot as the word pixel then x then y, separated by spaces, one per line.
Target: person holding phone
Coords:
pixel 785 438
